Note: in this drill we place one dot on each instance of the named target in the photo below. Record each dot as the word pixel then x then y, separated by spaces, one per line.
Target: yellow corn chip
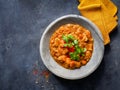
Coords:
pixel 102 13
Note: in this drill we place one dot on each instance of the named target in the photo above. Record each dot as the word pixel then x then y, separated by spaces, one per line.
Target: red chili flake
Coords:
pixel 72 49
pixel 35 72
pixel 45 73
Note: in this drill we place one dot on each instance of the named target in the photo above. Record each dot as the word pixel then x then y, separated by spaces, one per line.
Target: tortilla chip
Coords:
pixel 102 13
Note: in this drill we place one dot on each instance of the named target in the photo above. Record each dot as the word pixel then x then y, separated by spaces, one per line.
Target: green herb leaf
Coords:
pixel 78 50
pixel 75 42
pixel 72 43
pixel 65 45
pixel 68 45
pixel 74 56
pixel 83 50
pixel 70 37
pixel 65 38
pixel 83 54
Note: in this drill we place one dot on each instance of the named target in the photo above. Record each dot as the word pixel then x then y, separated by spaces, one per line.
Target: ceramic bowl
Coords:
pixel 53 66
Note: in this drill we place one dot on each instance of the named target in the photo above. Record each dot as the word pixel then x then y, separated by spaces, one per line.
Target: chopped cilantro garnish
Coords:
pixel 74 56
pixel 65 38
pixel 84 50
pixel 78 50
pixel 70 42
pixel 70 37
pixel 75 42
pixel 68 45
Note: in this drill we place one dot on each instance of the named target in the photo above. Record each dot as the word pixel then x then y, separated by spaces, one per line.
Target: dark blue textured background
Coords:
pixel 22 23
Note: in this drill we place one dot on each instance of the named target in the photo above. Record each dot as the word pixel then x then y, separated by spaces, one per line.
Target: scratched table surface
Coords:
pixel 22 23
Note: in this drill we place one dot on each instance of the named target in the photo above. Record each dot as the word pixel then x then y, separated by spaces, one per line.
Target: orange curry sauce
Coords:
pixel 64 55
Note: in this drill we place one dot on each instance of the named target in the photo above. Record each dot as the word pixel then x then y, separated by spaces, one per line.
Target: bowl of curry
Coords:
pixel 71 47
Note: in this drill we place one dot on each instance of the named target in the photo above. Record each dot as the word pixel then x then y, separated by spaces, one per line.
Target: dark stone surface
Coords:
pixel 22 23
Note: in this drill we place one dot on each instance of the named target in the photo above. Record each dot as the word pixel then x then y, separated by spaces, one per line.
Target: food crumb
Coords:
pixel 46 74
pixel 35 72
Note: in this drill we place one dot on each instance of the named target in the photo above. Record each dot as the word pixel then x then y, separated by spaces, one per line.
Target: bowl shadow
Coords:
pixel 88 83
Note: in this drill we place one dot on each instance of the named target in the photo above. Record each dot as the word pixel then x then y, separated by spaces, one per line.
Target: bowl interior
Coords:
pixel 60 71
